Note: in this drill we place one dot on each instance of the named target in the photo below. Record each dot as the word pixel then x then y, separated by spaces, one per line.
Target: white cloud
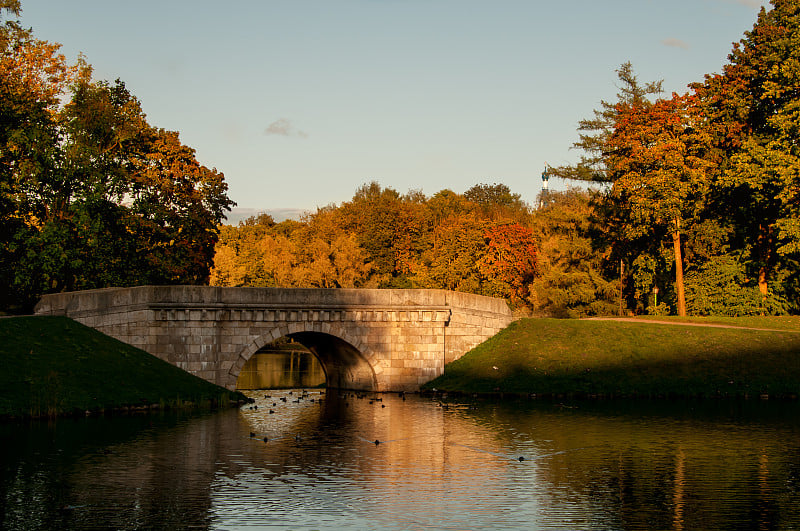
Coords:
pixel 675 43
pixel 283 127
pixel 756 4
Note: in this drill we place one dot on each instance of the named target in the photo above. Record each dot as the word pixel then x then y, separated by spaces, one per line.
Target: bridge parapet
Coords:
pixel 385 339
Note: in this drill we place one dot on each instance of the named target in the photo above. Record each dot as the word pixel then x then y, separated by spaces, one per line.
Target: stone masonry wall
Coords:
pixel 399 338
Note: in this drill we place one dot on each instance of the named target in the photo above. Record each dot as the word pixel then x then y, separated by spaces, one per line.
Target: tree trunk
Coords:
pixel 676 244
pixel 764 244
pixel 762 282
pixel 621 287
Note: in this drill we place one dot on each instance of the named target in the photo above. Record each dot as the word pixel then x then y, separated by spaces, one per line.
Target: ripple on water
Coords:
pixel 586 466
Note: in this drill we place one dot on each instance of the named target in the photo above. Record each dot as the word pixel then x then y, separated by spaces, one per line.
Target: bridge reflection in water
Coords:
pixel 454 464
pixel 281 366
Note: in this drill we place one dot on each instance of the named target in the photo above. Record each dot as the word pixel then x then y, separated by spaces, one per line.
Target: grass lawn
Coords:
pixel 54 365
pixel 617 358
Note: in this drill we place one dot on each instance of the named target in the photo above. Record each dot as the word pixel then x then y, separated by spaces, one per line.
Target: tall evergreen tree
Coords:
pixel 595 132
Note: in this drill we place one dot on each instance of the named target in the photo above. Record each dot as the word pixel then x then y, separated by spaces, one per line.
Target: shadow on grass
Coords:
pixel 54 366
pixel 623 359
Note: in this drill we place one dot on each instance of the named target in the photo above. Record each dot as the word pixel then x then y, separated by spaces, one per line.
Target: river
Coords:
pixel 317 460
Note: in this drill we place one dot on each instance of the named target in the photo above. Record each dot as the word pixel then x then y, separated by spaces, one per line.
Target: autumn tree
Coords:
pixel 497 202
pixel 330 256
pixel 389 227
pixel 624 253
pixel 33 74
pixel 595 132
pixel 453 263
pixel 313 253
pixel 508 262
pixel 660 173
pixel 91 195
pixel 753 108
pixel 570 279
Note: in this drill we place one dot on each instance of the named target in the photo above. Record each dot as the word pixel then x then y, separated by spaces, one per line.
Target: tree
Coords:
pixel 570 277
pixel 496 201
pixel 90 194
pixel 453 262
pixel 753 109
pixel 593 140
pixel 32 76
pixel 389 227
pixel 620 250
pixel 659 170
pixel 508 264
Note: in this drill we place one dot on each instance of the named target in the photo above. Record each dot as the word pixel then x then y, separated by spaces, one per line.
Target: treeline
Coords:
pixel 697 209
pixel 485 241
pixel 701 191
pixel 91 195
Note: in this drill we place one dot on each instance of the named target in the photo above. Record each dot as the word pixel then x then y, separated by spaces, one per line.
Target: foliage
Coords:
pixel 384 239
pixel 91 195
pixel 508 264
pixel 716 172
pixel 496 201
pixel 720 287
pixel 570 280
pixel 596 131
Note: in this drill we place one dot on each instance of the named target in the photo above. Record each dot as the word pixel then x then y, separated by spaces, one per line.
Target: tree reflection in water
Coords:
pixel 281 365
pixel 647 465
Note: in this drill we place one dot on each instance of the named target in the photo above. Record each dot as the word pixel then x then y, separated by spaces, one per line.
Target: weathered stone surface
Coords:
pixel 365 339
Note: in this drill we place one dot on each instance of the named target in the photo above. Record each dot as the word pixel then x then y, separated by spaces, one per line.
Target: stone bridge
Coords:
pixel 366 339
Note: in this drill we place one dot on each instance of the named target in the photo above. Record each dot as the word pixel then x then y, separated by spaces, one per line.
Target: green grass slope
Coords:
pixel 54 366
pixel 615 358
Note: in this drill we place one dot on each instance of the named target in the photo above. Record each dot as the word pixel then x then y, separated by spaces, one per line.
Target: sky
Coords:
pixel 300 102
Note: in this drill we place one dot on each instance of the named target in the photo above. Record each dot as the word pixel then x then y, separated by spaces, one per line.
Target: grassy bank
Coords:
pixel 614 358
pixel 56 366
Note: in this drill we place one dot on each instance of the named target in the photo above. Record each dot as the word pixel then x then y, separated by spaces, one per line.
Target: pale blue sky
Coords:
pixel 299 102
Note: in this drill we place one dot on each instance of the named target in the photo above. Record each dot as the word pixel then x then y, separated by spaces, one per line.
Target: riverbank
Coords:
pixel 639 358
pixel 54 366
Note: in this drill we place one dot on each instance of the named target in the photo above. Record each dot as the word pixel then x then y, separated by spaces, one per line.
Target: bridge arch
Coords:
pixel 347 362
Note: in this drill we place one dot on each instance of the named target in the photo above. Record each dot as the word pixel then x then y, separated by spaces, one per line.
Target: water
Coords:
pixel 439 464
pixel 269 369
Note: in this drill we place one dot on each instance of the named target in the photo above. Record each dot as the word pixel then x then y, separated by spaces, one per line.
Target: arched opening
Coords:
pixel 342 364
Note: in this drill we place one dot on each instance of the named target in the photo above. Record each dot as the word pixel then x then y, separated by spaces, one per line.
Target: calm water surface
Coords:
pixel 439 464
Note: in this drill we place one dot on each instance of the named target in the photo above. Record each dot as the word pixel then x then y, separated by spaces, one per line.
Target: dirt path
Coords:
pixel 707 325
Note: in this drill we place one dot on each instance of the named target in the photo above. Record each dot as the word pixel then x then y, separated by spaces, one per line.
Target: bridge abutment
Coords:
pixel 380 340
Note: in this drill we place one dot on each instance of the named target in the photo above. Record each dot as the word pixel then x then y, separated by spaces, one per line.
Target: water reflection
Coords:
pixel 438 464
pixel 281 369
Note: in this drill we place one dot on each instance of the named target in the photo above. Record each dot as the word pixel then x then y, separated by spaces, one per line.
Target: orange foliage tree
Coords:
pixel 508 264
pixel 91 195
pixel 657 157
